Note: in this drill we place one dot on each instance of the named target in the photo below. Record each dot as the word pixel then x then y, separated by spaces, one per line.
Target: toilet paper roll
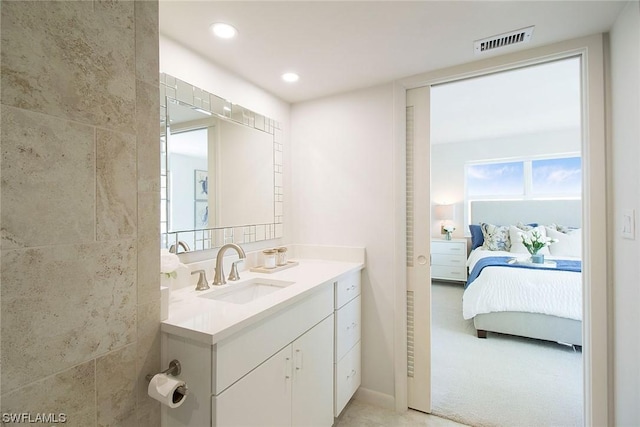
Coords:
pixel 167 390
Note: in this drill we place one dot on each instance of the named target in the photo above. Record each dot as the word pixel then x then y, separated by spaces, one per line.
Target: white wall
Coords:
pixel 244 175
pixel 625 194
pixel 343 195
pixel 448 161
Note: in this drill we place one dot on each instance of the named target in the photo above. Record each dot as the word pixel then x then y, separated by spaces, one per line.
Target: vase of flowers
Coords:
pixel 534 241
pixel 169 263
pixel 537 258
pixel 448 230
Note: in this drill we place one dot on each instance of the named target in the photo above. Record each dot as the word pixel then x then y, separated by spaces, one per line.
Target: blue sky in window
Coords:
pixel 496 179
pixel 557 176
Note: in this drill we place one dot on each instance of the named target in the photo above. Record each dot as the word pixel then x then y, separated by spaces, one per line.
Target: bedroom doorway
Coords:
pixel 593 213
pixel 506 151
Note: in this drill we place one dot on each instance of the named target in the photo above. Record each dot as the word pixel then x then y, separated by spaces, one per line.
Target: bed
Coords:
pixel 505 293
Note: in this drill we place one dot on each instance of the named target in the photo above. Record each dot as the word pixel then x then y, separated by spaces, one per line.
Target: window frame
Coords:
pixel 527 191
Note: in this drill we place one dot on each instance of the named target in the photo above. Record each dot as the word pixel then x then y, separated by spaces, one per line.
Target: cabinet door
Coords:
pixel 312 377
pixel 262 398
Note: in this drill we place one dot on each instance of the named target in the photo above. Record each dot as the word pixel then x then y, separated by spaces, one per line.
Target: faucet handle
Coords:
pixel 202 280
pixel 234 275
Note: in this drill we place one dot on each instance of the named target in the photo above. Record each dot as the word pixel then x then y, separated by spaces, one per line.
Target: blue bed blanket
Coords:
pixel 502 261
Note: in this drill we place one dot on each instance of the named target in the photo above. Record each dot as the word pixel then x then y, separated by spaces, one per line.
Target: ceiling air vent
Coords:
pixel 503 40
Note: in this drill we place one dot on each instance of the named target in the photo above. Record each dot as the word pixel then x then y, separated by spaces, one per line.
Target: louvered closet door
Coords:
pixel 418 251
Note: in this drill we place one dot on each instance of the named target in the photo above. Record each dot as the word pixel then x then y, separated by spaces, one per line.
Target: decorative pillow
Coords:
pixel 516 243
pixel 477 238
pixel 496 237
pixel 568 244
pixel 526 227
pixel 562 228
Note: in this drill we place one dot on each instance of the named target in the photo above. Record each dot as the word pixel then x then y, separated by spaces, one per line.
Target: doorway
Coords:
pixel 595 272
pixel 503 140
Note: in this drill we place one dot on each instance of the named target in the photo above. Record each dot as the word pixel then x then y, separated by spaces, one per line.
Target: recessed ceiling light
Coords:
pixel 290 77
pixel 224 31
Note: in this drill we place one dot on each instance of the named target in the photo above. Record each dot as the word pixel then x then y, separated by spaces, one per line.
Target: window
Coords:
pixel 556 176
pixel 495 179
pixel 540 178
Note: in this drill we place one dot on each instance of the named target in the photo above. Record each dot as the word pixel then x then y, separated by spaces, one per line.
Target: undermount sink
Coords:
pixel 247 291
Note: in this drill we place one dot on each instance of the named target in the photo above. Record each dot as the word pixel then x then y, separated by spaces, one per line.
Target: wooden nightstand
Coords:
pixel 449 259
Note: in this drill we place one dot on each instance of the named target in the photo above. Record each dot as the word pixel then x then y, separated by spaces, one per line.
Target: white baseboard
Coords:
pixel 375 398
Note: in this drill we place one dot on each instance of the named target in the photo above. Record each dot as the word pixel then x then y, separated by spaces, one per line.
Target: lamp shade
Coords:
pixel 444 212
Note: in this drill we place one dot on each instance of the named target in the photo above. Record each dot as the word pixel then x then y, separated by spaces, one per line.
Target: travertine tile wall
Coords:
pixel 79 289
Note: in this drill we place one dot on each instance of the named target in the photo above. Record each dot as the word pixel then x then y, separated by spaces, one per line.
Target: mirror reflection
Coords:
pixel 219 173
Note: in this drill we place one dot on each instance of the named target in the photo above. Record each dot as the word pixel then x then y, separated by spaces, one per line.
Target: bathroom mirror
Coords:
pixel 221 170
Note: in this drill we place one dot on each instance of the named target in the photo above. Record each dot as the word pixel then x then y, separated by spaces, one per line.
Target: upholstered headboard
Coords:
pixel 565 212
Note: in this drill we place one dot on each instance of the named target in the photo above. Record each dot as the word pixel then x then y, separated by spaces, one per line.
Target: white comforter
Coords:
pixel 554 292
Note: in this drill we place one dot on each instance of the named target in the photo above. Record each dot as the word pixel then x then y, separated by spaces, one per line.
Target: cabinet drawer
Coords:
pixel 448 260
pixel 347 327
pixel 347 288
pixel 449 247
pixel 237 355
pixel 450 273
pixel 347 378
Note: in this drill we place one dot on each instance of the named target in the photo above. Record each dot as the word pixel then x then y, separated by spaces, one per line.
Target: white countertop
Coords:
pixel 210 321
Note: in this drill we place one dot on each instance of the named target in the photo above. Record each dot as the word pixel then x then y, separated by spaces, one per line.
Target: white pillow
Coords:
pixel 568 244
pixel 516 243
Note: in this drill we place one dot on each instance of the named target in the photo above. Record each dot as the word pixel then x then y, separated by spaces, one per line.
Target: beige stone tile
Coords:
pixel 147 42
pixel 148 352
pixel 71 59
pixel 148 137
pixel 64 305
pixel 116 387
pixel 71 392
pixel 48 190
pixel 149 415
pixel 148 247
pixel 116 196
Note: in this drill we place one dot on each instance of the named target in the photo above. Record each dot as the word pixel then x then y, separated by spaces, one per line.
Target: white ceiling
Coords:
pixel 534 99
pixel 338 46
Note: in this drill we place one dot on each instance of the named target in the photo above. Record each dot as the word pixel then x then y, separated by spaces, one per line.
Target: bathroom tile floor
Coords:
pixel 358 414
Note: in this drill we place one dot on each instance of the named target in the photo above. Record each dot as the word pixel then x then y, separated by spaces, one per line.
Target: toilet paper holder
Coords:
pixel 174 369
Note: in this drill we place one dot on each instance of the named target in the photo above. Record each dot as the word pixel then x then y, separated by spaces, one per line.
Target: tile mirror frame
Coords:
pixel 173 89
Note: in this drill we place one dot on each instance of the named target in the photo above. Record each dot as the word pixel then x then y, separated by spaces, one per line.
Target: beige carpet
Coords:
pixel 502 380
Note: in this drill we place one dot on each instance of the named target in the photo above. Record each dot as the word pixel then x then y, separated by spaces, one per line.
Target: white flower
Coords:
pixel 449 228
pixel 534 241
pixel 169 263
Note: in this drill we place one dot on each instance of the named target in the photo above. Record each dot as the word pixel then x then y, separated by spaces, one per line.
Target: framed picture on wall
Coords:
pixel 201 184
pixel 201 210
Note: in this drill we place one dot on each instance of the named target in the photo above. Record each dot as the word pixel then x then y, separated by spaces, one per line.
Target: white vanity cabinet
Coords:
pixel 289 389
pixel 275 372
pixel 347 339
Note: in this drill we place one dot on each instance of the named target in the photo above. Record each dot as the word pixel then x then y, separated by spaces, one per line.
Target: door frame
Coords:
pixel 596 350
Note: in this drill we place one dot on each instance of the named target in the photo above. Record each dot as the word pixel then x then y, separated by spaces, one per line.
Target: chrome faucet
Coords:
pixel 174 248
pixel 218 278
